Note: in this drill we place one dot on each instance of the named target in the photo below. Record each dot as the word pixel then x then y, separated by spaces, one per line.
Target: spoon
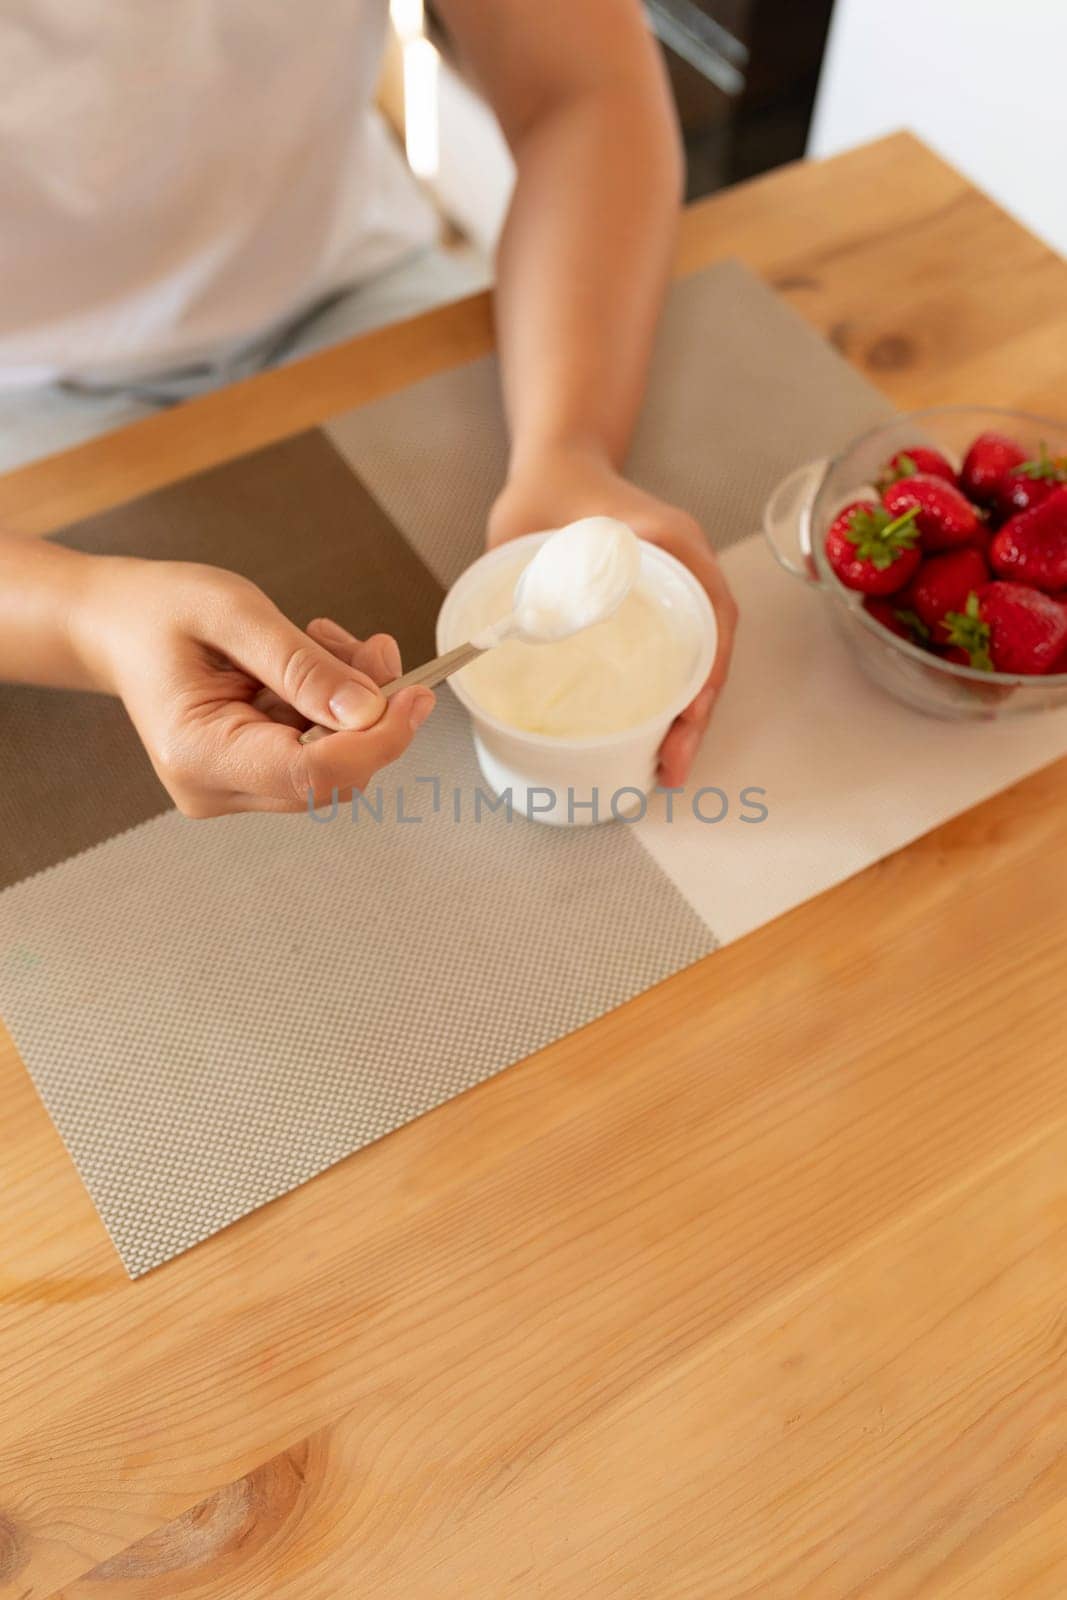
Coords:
pixel 431 673
pixel 580 576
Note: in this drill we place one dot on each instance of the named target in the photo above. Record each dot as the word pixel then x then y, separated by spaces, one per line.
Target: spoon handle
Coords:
pixel 427 676
pixel 436 671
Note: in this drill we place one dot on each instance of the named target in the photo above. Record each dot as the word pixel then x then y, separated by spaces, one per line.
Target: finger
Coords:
pixel 268 702
pixel 378 656
pixel 689 545
pixel 726 616
pixel 348 761
pixel 700 560
pixel 255 635
pixel 679 750
pixel 259 765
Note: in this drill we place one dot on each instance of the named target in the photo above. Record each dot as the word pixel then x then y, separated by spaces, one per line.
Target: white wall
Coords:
pixel 982 81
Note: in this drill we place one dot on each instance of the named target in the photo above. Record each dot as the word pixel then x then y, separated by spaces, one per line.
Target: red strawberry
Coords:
pixel 988 461
pixel 906 463
pixel 1032 547
pixel 942 584
pixel 898 617
pixel 871 550
pixel 1028 484
pixel 945 519
pixel 1007 627
pixel 1020 494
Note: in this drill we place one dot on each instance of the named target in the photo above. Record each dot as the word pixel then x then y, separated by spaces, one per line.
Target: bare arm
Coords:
pixel 41 586
pixel 580 92
pixel 581 95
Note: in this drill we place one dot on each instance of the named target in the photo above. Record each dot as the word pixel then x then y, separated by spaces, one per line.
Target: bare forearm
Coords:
pixel 582 96
pixel 41 589
pixel 583 268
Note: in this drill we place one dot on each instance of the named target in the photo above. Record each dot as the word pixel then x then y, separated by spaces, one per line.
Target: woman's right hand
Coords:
pixel 220 685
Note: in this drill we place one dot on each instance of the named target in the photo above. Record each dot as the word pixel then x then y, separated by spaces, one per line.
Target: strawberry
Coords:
pixel 898 618
pixel 1007 627
pixel 872 551
pixel 943 584
pixel 906 463
pixel 1020 494
pixel 1032 547
pixel 944 518
pixel 1031 482
pixel 988 461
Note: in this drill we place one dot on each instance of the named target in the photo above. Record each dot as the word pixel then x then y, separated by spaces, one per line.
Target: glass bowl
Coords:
pixel 801 509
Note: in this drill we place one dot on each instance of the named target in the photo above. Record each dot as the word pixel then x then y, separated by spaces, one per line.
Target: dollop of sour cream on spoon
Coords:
pixel 580 576
pixel 587 648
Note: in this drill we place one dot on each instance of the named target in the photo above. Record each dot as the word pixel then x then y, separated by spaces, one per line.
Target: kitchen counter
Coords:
pixel 753 1288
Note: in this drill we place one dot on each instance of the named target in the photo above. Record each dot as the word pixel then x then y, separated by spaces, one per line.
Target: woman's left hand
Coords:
pixel 562 486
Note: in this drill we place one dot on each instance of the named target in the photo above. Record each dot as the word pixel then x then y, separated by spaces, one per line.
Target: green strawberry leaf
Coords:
pixel 881 538
pixel 902 466
pixel 1051 469
pixel 968 632
pixel 914 624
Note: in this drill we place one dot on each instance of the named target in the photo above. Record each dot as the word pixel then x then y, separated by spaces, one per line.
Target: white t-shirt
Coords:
pixel 180 176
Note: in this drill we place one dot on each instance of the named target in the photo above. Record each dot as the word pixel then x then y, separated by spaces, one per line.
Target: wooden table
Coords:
pixel 753 1289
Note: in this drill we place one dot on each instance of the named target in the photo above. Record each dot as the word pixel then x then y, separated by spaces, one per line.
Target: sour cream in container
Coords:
pixel 625 636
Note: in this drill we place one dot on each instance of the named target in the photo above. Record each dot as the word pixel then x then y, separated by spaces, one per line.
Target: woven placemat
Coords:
pixel 213 1012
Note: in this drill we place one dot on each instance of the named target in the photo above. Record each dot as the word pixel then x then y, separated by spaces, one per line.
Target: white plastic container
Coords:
pixel 584 780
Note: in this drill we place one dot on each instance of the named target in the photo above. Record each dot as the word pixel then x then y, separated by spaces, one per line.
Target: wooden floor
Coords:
pixel 754 1290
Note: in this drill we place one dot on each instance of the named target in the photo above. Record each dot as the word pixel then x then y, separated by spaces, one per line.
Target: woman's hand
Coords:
pixel 565 485
pixel 219 685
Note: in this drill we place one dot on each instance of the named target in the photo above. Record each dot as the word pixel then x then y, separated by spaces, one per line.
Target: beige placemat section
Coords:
pixel 740 392
pixel 848 774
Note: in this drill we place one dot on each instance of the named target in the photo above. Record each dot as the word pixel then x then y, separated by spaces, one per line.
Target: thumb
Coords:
pixel 257 637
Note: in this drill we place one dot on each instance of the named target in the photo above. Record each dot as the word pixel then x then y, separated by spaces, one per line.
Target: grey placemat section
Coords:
pixel 741 391
pixel 213 1013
